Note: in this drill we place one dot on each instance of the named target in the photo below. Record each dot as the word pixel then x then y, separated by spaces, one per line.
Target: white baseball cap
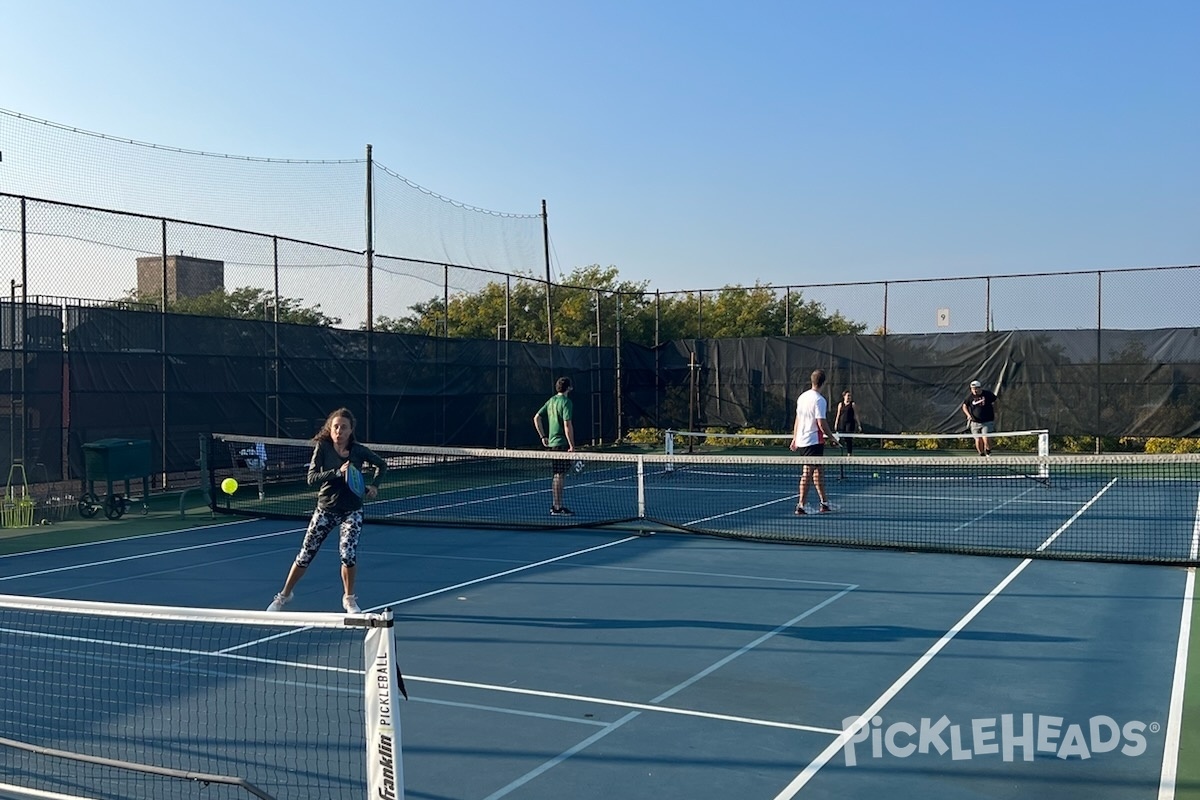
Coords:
pixel 976 384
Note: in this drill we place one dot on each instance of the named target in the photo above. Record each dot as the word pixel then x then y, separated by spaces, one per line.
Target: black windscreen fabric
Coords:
pixel 94 372
pixel 1087 383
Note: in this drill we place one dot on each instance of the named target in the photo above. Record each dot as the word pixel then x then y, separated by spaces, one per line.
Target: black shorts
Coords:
pixel 560 466
pixel 811 450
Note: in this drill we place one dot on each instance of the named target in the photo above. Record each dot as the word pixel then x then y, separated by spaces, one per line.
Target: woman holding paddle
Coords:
pixel 335 466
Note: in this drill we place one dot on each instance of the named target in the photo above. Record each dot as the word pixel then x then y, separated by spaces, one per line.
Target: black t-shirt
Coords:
pixel 846 421
pixel 982 406
pixel 325 469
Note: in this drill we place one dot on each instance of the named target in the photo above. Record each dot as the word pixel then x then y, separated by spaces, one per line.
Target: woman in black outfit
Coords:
pixel 846 421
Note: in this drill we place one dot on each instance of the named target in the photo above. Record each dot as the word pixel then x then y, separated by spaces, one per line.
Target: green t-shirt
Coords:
pixel 557 410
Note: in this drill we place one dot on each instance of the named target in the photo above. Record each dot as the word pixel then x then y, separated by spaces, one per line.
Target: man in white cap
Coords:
pixel 980 408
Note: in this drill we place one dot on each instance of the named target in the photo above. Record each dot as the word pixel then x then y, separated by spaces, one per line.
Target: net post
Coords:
pixel 641 487
pixel 1043 451
pixel 206 481
pixel 385 769
pixel 670 441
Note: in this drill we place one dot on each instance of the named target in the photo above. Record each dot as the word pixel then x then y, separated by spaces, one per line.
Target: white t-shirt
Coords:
pixel 810 407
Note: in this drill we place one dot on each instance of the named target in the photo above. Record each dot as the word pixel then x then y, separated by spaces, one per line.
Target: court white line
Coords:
pixel 475 501
pixel 542 488
pixel 823 758
pixel 456 586
pixel 21 791
pixel 743 510
pixel 1170 766
pixel 561 757
pixel 505 573
pixel 594 723
pixel 909 497
pixel 209 563
pixel 732 575
pixel 991 511
pixel 603 701
pixel 698 573
pixel 61 548
pixel 140 556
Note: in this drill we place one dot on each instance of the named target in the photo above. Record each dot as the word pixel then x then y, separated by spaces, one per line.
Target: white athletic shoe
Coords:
pixel 350 603
pixel 279 602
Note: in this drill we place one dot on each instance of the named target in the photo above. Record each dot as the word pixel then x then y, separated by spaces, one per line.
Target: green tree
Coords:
pixel 743 312
pixel 810 317
pixel 589 301
pixel 480 314
pixel 245 302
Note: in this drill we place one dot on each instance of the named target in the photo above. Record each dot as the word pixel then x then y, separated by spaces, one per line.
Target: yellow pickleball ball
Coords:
pixel 229 485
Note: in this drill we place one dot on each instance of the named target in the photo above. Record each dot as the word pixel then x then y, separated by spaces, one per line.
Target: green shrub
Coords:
pixel 1124 444
pixel 1162 444
pixel 1073 444
pixel 645 436
pixel 750 442
pixel 730 438
pixel 1020 444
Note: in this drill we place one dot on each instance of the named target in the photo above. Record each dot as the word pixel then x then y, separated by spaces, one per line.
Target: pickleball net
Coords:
pixel 108 701
pixel 1139 508
pixel 1012 443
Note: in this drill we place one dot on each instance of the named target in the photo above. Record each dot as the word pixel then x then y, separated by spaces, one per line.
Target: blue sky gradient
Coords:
pixel 691 145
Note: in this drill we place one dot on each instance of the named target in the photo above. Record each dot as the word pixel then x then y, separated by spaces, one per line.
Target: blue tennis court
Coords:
pixel 599 663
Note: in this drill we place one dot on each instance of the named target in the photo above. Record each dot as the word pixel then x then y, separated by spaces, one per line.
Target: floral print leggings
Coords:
pixel 325 520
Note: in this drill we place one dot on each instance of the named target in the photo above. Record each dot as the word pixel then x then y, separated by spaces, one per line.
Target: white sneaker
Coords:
pixel 350 603
pixel 279 602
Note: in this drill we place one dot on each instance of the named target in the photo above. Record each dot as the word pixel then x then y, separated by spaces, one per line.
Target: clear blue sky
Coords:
pixel 690 144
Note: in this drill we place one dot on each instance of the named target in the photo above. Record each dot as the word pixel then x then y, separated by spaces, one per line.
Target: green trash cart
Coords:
pixel 109 460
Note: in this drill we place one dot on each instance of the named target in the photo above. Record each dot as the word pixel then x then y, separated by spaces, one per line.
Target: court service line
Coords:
pixel 142 575
pixel 505 573
pixel 734 575
pixel 512 712
pixel 504 791
pixel 61 548
pixel 791 497
pixel 139 556
pixel 604 701
pixel 638 708
pixel 737 576
pixel 823 758
pixel 754 507
pixel 1170 766
pixel 992 510
pixel 435 592
pixel 475 501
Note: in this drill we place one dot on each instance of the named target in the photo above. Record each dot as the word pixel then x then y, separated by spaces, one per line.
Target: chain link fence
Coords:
pixel 1099 353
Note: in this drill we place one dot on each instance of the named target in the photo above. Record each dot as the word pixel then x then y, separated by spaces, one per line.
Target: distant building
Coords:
pixel 187 276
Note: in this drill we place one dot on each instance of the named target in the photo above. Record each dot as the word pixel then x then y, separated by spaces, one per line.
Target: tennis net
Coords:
pixel 1029 443
pixel 1108 507
pixel 108 701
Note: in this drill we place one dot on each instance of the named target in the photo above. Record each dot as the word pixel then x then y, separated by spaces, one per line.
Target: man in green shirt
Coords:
pixel 557 434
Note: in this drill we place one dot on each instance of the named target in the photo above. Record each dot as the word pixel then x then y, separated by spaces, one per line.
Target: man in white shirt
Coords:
pixel 809 435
